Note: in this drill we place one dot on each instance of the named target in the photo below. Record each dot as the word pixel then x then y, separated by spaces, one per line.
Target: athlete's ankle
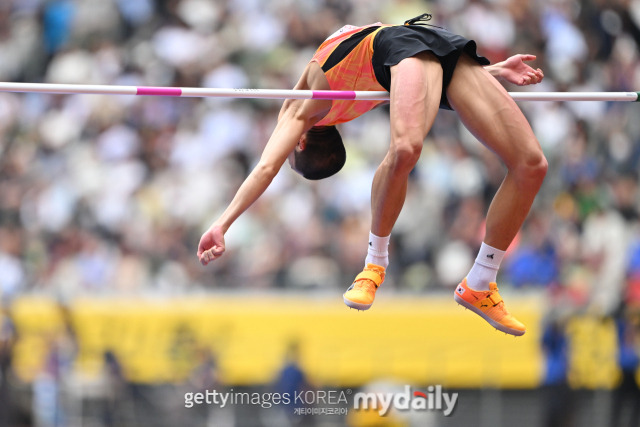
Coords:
pixel 485 268
pixel 382 261
pixel 377 251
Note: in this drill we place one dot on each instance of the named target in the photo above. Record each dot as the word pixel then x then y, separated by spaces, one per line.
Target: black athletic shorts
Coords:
pixel 393 44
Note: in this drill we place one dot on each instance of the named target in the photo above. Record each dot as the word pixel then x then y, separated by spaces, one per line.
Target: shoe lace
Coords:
pixel 500 304
pixel 498 310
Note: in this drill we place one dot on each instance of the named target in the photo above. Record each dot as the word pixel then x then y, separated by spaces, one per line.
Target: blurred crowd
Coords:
pixel 102 194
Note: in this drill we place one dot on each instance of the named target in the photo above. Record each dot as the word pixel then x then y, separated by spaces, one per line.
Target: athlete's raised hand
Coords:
pixel 211 245
pixel 514 70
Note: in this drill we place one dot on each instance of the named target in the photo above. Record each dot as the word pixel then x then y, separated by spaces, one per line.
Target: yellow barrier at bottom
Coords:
pixel 419 340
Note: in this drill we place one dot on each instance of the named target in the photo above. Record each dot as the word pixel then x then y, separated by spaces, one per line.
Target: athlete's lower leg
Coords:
pixel 416 87
pixel 513 200
pixel 492 116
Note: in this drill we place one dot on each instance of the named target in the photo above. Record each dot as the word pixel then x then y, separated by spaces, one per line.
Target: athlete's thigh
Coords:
pixel 416 88
pixel 487 110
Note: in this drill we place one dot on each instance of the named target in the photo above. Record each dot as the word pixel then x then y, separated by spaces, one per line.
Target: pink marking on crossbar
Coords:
pixel 159 91
pixel 325 94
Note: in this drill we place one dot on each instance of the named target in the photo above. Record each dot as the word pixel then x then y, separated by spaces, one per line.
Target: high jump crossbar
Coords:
pixel 194 92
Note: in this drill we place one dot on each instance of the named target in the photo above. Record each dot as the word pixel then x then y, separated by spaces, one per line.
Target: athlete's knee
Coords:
pixel 404 153
pixel 537 166
pixel 531 169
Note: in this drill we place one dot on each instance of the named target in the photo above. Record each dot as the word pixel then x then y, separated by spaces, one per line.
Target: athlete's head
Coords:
pixel 319 154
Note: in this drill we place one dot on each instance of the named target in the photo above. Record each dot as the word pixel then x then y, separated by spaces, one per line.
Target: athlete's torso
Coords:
pixel 345 58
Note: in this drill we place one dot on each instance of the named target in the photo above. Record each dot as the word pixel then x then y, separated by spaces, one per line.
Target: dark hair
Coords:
pixel 323 155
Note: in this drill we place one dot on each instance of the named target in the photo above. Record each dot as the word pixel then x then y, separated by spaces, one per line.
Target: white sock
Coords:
pixel 485 269
pixel 378 251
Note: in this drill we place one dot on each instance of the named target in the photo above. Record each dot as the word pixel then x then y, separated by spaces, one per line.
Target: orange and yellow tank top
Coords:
pixel 345 58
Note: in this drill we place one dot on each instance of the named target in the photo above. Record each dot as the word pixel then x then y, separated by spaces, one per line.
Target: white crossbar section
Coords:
pixel 284 93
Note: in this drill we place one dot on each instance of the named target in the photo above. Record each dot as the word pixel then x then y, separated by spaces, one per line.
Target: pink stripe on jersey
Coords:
pixel 324 94
pixel 159 91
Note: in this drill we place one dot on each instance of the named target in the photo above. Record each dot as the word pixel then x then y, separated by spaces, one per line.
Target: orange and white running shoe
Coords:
pixel 490 306
pixel 362 291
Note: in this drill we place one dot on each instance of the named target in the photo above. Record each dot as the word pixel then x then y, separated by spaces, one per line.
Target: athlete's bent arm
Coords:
pixel 296 117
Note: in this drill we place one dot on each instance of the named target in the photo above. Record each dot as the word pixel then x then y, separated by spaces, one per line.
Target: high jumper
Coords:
pixel 423 68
